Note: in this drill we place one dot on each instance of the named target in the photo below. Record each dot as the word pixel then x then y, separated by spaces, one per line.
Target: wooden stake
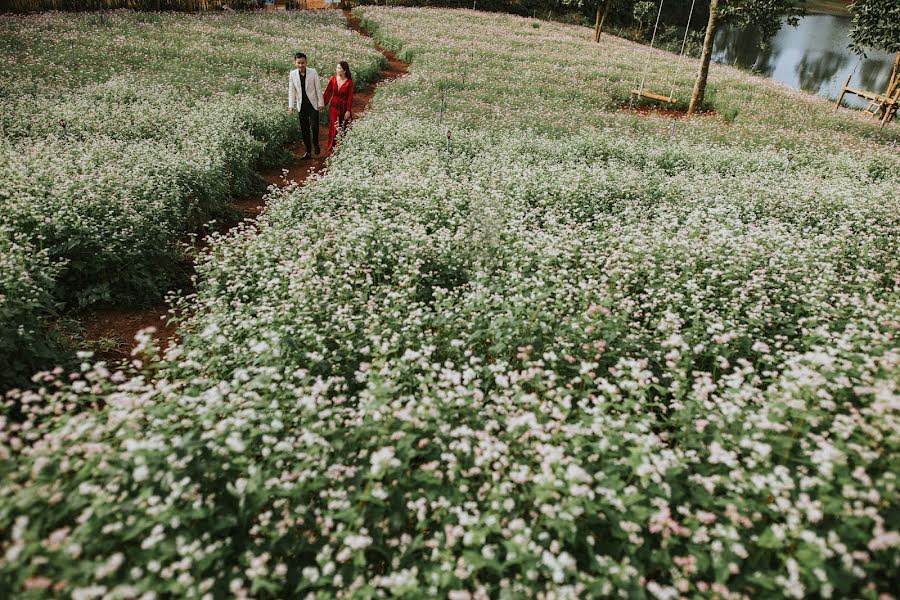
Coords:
pixel 837 104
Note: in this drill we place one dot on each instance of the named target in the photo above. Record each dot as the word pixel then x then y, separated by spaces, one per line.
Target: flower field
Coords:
pixel 515 343
pixel 121 131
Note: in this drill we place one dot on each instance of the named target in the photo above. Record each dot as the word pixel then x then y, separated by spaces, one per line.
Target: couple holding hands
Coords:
pixel 305 95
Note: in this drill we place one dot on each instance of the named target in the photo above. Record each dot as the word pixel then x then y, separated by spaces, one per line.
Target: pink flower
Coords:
pixel 884 540
pixel 38 583
pixel 688 564
pixel 707 518
pixel 732 513
pixel 596 308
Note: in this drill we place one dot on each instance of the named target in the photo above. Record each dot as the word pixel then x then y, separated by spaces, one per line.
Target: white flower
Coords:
pixel 140 473
pixel 717 454
pixel 234 442
pixel 87 593
pixel 662 592
pixel 884 540
pixel 357 542
pixel 110 566
pixel 383 459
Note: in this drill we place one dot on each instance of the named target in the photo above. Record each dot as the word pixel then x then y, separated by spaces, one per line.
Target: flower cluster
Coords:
pixel 26 276
pixel 121 132
pixel 529 359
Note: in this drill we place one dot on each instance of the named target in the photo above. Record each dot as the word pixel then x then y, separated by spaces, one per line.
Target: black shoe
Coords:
pixel 317 150
pixel 305 156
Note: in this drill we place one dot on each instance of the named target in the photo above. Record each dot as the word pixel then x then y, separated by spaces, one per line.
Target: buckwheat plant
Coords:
pixel 120 132
pixel 557 354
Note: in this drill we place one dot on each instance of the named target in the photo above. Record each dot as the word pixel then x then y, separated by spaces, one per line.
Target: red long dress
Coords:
pixel 341 99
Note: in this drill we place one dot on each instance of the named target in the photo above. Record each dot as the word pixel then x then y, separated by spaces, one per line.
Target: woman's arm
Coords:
pixel 349 100
pixel 321 102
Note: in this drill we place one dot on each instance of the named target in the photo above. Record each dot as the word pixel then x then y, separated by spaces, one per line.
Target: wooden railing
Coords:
pixel 884 106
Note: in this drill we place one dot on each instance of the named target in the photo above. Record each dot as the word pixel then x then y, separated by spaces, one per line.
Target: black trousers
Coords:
pixel 309 127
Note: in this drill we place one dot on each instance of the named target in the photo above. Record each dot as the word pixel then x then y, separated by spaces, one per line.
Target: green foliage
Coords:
pixel 643 12
pixel 671 39
pixel 767 16
pixel 876 26
pixel 110 153
pixel 26 278
pixel 730 114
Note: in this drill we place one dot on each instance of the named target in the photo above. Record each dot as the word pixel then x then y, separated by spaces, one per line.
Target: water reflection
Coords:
pixel 818 71
pixel 812 57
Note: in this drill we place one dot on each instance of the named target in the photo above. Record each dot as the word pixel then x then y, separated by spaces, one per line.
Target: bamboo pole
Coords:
pixel 894 81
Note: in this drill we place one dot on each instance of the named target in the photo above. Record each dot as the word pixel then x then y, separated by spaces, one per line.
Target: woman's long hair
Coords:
pixel 346 67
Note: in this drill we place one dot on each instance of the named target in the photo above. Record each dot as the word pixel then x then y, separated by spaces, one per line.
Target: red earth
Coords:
pixel 663 112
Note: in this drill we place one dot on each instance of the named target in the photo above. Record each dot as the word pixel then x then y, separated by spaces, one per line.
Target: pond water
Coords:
pixel 812 56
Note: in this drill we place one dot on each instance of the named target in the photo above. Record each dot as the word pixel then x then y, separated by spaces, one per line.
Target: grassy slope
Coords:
pixel 120 132
pixel 562 353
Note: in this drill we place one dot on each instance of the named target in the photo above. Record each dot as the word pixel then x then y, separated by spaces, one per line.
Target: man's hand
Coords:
pixel 347 116
pixel 321 107
pixel 290 109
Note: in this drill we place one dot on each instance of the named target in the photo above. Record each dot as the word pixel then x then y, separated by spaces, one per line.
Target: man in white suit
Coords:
pixel 305 95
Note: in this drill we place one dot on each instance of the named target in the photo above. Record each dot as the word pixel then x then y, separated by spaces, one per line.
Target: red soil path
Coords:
pixel 119 325
pixel 664 112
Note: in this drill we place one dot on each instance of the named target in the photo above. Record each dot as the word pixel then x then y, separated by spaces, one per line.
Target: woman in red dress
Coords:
pixel 340 94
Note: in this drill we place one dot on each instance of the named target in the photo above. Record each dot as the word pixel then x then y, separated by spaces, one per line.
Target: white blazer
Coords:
pixel 313 89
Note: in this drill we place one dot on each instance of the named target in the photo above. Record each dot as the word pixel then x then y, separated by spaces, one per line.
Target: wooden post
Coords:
pixel 892 94
pixel 837 104
pixel 894 81
pixel 888 115
pixel 601 18
pixel 703 74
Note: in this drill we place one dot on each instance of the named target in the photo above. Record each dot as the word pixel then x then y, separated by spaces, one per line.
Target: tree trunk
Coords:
pixel 703 74
pixel 598 26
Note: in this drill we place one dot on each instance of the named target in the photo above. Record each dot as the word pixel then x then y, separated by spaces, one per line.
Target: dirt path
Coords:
pixel 664 112
pixel 110 332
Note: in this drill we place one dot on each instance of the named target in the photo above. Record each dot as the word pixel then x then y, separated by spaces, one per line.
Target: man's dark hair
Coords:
pixel 299 55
